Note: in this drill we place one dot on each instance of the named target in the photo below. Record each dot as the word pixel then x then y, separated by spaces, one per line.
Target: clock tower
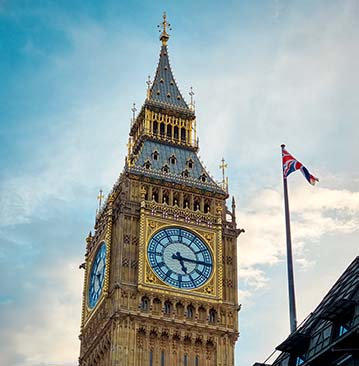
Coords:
pixel 160 283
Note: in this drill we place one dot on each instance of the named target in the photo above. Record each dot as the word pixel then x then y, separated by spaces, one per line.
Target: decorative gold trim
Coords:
pixel 141 243
pixel 220 263
pixel 211 290
pixel 108 239
pixel 85 287
pixel 90 263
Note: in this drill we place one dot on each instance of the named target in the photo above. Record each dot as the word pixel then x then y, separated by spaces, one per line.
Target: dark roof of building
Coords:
pixel 164 90
pixel 197 175
pixel 318 332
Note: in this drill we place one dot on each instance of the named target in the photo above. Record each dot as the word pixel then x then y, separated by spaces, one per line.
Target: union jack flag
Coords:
pixel 291 164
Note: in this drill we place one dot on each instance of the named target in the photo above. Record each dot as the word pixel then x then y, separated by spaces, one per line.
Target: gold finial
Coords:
pixel 134 110
pixel 100 197
pixel 148 82
pixel 191 93
pixel 164 35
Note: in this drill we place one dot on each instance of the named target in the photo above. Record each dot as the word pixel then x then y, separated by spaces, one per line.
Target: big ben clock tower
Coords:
pixel 160 284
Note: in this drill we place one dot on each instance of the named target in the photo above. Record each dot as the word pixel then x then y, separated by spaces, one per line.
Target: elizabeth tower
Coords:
pixel 160 285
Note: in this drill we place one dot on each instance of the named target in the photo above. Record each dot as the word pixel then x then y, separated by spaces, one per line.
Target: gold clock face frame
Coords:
pixel 180 258
pixel 211 236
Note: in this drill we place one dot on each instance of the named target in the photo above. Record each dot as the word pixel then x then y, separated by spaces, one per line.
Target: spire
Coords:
pixel 164 90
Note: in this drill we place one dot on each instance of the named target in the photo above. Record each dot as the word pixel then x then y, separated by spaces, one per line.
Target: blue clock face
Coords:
pixel 180 258
pixel 97 276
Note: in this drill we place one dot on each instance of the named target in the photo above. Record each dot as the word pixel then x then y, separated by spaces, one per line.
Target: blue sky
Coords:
pixel 263 72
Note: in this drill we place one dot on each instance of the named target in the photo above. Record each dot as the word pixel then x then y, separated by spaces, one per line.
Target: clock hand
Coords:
pixel 179 258
pixel 194 261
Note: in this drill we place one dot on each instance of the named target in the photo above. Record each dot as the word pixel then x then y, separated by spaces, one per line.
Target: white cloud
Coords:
pixel 315 211
pixel 44 331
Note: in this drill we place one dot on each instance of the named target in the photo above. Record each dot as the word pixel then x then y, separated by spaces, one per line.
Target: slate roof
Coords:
pixel 316 332
pixel 164 90
pixel 182 157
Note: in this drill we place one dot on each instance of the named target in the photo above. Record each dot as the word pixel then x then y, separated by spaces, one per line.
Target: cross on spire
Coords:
pixel 223 166
pixel 191 93
pixel 100 197
pixel 149 83
pixel 134 110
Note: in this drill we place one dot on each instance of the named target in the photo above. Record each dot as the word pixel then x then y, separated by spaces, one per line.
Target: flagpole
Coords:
pixel 291 292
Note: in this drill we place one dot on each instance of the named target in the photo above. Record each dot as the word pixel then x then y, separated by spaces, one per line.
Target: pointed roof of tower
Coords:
pixel 164 90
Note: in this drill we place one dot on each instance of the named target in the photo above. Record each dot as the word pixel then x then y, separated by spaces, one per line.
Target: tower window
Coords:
pixel 151 358
pixel 183 134
pixel 162 129
pixel 185 173
pixel 155 127
pixel 163 358
pixel 212 316
pixel 196 361
pixel 145 304
pixel 173 159
pixel 168 307
pixel 165 168
pixel 175 132
pixel 203 178
pixel 147 164
pixel 185 360
pixel 190 163
pixel 155 155
pixel 190 312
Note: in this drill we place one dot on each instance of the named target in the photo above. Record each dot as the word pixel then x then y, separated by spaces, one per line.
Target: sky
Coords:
pixel 264 72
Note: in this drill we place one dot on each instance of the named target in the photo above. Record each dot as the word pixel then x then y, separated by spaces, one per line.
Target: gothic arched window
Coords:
pixel 203 177
pixel 183 134
pixel 165 168
pixel 190 163
pixel 190 312
pixel 155 155
pixel 212 316
pixel 176 132
pixel 162 129
pixel 155 127
pixel 172 159
pixel 145 303
pixel 169 131
pixel 185 173
pixel 147 164
pixel 168 307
